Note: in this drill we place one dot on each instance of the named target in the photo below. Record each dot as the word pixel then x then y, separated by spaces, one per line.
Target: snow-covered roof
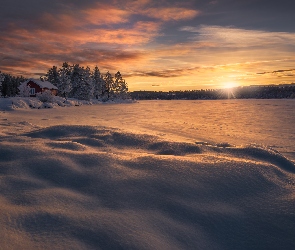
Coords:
pixel 42 85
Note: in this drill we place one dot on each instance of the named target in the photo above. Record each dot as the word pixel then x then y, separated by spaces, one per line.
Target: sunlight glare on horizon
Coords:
pixel 230 85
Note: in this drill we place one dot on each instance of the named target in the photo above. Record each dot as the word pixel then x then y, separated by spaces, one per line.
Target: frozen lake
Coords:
pixel 265 122
pixel 238 122
pixel 149 175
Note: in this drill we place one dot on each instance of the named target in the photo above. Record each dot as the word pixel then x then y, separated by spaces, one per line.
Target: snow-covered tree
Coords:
pixel 108 83
pixel 24 90
pixel 1 80
pixel 10 84
pixel 120 87
pixel 52 76
pixel 98 83
pixel 63 80
pixel 82 83
pixel 75 80
pixel 86 84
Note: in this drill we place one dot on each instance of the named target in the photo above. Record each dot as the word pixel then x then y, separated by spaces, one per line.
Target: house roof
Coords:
pixel 42 85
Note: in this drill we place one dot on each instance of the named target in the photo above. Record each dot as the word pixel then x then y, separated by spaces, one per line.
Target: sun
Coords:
pixel 230 85
pixel 229 89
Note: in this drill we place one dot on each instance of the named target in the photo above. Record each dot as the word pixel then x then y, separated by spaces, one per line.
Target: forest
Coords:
pixel 73 81
pixel 242 92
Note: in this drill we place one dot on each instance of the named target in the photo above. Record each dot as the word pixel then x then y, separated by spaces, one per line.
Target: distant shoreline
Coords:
pixel 282 91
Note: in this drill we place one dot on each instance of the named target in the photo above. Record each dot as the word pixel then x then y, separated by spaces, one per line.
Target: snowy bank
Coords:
pixel 87 187
pixel 13 103
pixel 149 175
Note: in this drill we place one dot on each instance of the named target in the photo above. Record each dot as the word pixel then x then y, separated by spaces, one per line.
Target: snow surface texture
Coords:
pixel 13 103
pixel 75 186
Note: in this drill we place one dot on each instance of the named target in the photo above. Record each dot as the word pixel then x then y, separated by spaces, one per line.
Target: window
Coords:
pixel 32 91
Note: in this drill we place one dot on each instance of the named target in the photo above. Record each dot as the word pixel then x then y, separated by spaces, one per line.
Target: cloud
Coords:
pixel 169 14
pixel 217 68
pixel 162 10
pixel 141 38
pixel 95 33
pixel 280 72
pixel 67 29
pixel 105 14
pixel 235 37
pixel 165 73
pixel 49 39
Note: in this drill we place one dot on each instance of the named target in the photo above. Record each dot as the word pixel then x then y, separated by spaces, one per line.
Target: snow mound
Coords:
pixel 86 187
pixel 6 104
pixel 12 103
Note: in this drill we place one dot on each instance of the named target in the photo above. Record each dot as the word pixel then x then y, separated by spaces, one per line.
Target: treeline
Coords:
pixel 83 83
pixel 73 81
pixel 9 84
pixel 245 92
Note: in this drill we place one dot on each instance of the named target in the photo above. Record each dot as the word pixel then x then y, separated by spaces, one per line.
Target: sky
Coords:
pixel 156 45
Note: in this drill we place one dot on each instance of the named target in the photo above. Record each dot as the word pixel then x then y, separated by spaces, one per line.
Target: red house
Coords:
pixel 37 86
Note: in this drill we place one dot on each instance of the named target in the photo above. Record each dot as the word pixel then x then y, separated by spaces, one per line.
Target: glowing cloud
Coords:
pixel 168 14
pixel 105 14
pixel 234 37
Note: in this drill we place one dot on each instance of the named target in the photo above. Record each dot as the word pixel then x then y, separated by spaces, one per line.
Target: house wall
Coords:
pixel 53 91
pixel 35 86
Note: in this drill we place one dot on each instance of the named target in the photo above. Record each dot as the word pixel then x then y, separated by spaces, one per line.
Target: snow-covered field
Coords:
pixel 148 175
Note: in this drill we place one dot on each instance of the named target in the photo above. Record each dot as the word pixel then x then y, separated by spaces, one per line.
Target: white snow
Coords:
pixel 148 175
pixel 42 84
pixel 14 103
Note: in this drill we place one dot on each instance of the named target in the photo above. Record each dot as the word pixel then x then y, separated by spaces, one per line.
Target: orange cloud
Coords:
pixel 117 36
pixel 105 14
pixel 72 31
pixel 140 33
pixel 169 14
pixel 151 9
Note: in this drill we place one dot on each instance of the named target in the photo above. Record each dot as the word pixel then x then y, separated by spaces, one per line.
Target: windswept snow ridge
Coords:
pixel 92 187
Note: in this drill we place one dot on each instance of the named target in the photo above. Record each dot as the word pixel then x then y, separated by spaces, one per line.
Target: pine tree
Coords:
pixel 63 80
pixel 9 84
pixel 116 84
pixel 1 80
pixel 124 90
pixel 120 86
pixel 82 83
pixel 85 90
pixel 98 83
pixel 75 80
pixel 52 76
pixel 108 79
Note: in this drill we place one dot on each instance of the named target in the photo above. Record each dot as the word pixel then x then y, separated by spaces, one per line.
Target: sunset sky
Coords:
pixel 156 45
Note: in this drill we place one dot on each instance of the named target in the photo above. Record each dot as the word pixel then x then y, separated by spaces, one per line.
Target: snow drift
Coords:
pixel 91 187
pixel 14 103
